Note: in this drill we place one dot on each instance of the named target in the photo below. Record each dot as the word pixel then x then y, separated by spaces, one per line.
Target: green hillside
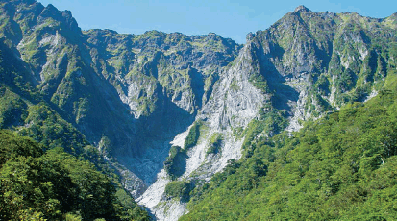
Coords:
pixel 90 120
pixel 341 167
pixel 53 185
pixel 45 174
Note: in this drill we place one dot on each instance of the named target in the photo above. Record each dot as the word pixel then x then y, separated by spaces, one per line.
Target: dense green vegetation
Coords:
pixel 215 143
pixel 178 189
pixel 47 127
pixel 54 185
pixel 271 121
pixel 193 135
pixel 39 179
pixel 13 110
pixel 341 167
pixel 61 87
pixel 175 163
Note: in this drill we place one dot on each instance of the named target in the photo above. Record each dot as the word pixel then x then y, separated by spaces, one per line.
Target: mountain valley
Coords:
pixel 302 114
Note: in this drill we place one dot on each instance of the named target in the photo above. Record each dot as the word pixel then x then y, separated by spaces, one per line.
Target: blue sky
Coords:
pixel 228 18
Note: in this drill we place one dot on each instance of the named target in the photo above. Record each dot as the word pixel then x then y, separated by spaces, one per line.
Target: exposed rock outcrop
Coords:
pixel 144 93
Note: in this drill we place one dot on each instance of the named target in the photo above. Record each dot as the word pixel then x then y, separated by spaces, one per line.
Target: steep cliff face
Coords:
pixel 51 45
pixel 130 95
pixel 165 79
pixel 182 68
pixel 233 103
pixel 303 66
pixel 135 96
pixel 315 62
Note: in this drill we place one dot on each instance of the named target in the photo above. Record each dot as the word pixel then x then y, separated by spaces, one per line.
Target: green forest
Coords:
pixel 54 185
pixel 48 170
pixel 87 120
pixel 341 167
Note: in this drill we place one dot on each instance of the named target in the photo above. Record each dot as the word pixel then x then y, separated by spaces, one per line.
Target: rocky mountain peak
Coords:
pixel 250 36
pixel 153 88
pixel 301 8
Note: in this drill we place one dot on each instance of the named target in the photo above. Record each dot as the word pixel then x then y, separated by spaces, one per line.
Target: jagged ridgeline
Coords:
pixel 342 166
pixel 104 81
pixel 324 60
pixel 168 111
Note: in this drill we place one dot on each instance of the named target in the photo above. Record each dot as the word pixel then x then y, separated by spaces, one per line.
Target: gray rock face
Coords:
pixel 143 92
pixel 311 63
pixel 235 101
pixel 179 65
pixel 301 8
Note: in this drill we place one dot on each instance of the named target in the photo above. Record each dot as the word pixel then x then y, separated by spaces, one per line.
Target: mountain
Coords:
pixel 168 111
pixel 341 167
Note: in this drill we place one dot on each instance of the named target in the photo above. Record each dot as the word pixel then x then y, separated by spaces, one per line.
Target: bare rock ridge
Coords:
pixel 293 71
pixel 301 8
pixel 152 101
